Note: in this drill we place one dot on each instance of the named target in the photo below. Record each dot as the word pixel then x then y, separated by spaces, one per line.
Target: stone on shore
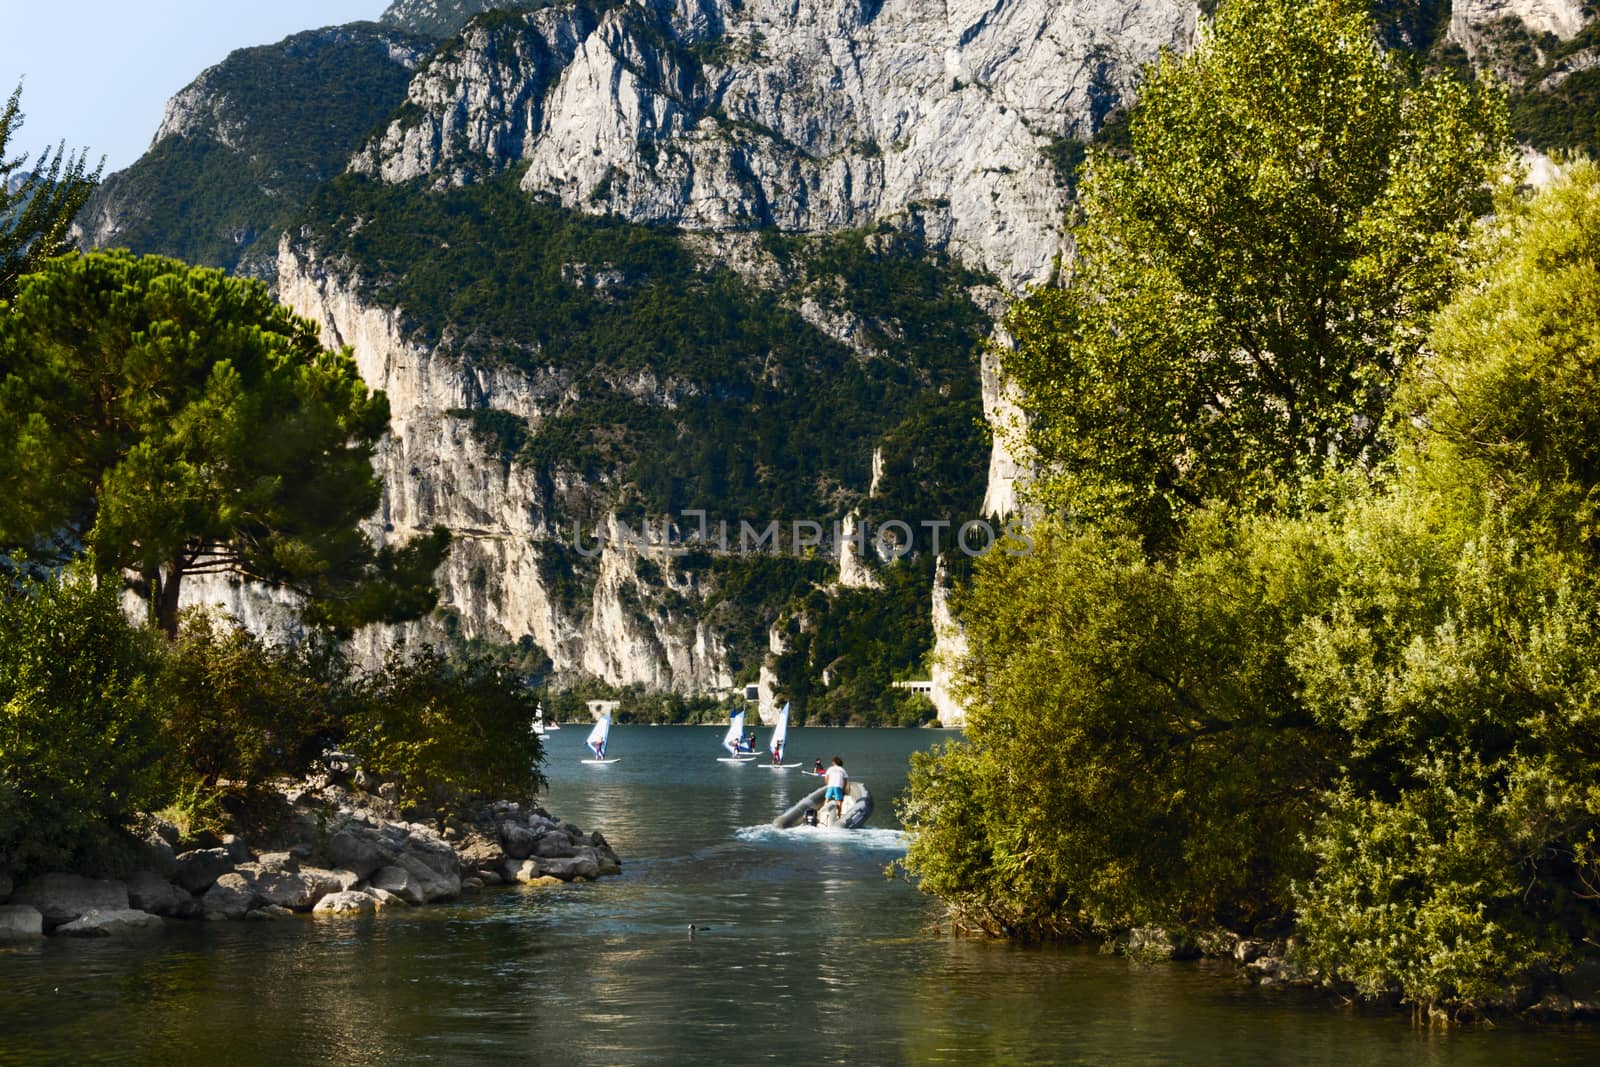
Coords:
pixel 159 855
pixel 148 891
pixel 61 898
pixel 300 890
pixel 231 896
pixel 555 845
pixel 112 923
pixel 20 922
pixel 518 842
pixel 346 903
pixel 399 881
pixel 358 851
pixel 269 911
pixel 571 868
pixel 385 899
pixel 199 868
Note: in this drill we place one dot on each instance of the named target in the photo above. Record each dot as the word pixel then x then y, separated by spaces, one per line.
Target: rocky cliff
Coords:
pixel 612 259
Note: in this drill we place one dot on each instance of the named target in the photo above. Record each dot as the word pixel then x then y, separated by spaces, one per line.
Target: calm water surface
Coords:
pixel 812 956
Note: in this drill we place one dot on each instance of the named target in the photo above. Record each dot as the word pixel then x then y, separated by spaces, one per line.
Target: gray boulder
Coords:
pixel 359 851
pixel 435 884
pixel 521 871
pixel 300 890
pixel 518 842
pixel 236 847
pixel 269 911
pixel 605 861
pixel 277 863
pixel 61 898
pixel 400 882
pixel 555 845
pixel 435 852
pixel 19 922
pixel 148 891
pixel 347 903
pixel 199 868
pixel 158 855
pixel 113 923
pixel 567 868
pixel 385 899
pixel 230 896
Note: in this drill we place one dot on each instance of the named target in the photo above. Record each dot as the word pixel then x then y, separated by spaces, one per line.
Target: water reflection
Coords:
pixel 811 954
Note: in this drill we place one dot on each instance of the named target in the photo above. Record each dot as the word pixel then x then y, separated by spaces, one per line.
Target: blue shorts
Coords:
pixel 833 793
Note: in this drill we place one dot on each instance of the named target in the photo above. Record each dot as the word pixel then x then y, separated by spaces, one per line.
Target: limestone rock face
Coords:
pixel 435 471
pixel 807 115
pixel 1469 18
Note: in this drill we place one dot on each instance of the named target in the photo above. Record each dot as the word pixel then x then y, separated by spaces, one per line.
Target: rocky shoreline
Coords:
pixel 1280 963
pixel 337 852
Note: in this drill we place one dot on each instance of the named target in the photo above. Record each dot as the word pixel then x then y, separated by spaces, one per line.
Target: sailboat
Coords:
pixel 538 719
pixel 733 741
pixel 780 738
pixel 597 741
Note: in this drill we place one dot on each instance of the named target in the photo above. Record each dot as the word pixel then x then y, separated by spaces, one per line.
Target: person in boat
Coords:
pixel 837 782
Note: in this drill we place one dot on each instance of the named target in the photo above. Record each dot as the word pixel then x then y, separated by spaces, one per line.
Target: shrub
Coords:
pixel 78 723
pixel 448 732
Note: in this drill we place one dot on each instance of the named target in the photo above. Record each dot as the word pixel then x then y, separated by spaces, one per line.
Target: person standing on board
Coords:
pixel 837 782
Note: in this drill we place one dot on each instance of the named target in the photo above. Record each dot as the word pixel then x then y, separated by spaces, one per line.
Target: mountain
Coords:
pixel 241 148
pixel 674 262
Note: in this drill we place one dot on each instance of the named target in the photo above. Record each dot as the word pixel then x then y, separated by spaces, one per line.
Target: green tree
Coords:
pixel 242 711
pixel 1457 861
pixel 35 215
pixel 79 722
pixel 448 731
pixel 1247 284
pixel 175 422
pixel 1135 751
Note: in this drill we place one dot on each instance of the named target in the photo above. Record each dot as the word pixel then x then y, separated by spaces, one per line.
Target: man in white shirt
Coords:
pixel 837 781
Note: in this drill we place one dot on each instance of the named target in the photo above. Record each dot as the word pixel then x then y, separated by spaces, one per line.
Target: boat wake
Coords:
pixel 867 839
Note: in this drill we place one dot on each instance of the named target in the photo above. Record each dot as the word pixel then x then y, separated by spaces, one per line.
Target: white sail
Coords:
pixel 538 719
pixel 780 735
pixel 597 737
pixel 735 735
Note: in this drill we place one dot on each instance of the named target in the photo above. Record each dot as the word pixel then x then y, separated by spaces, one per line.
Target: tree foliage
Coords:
pixel 174 422
pixel 79 721
pixel 1134 750
pixel 448 732
pixel 1247 285
pixel 36 213
pixel 1403 682
pixel 241 711
pixel 1459 855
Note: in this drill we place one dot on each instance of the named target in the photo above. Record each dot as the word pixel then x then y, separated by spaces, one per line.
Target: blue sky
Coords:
pixel 97 73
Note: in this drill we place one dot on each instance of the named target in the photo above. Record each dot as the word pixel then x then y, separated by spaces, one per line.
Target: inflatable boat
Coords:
pixel 857 809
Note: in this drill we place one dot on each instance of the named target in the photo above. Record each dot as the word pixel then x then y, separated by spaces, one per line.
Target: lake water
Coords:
pixel 812 956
